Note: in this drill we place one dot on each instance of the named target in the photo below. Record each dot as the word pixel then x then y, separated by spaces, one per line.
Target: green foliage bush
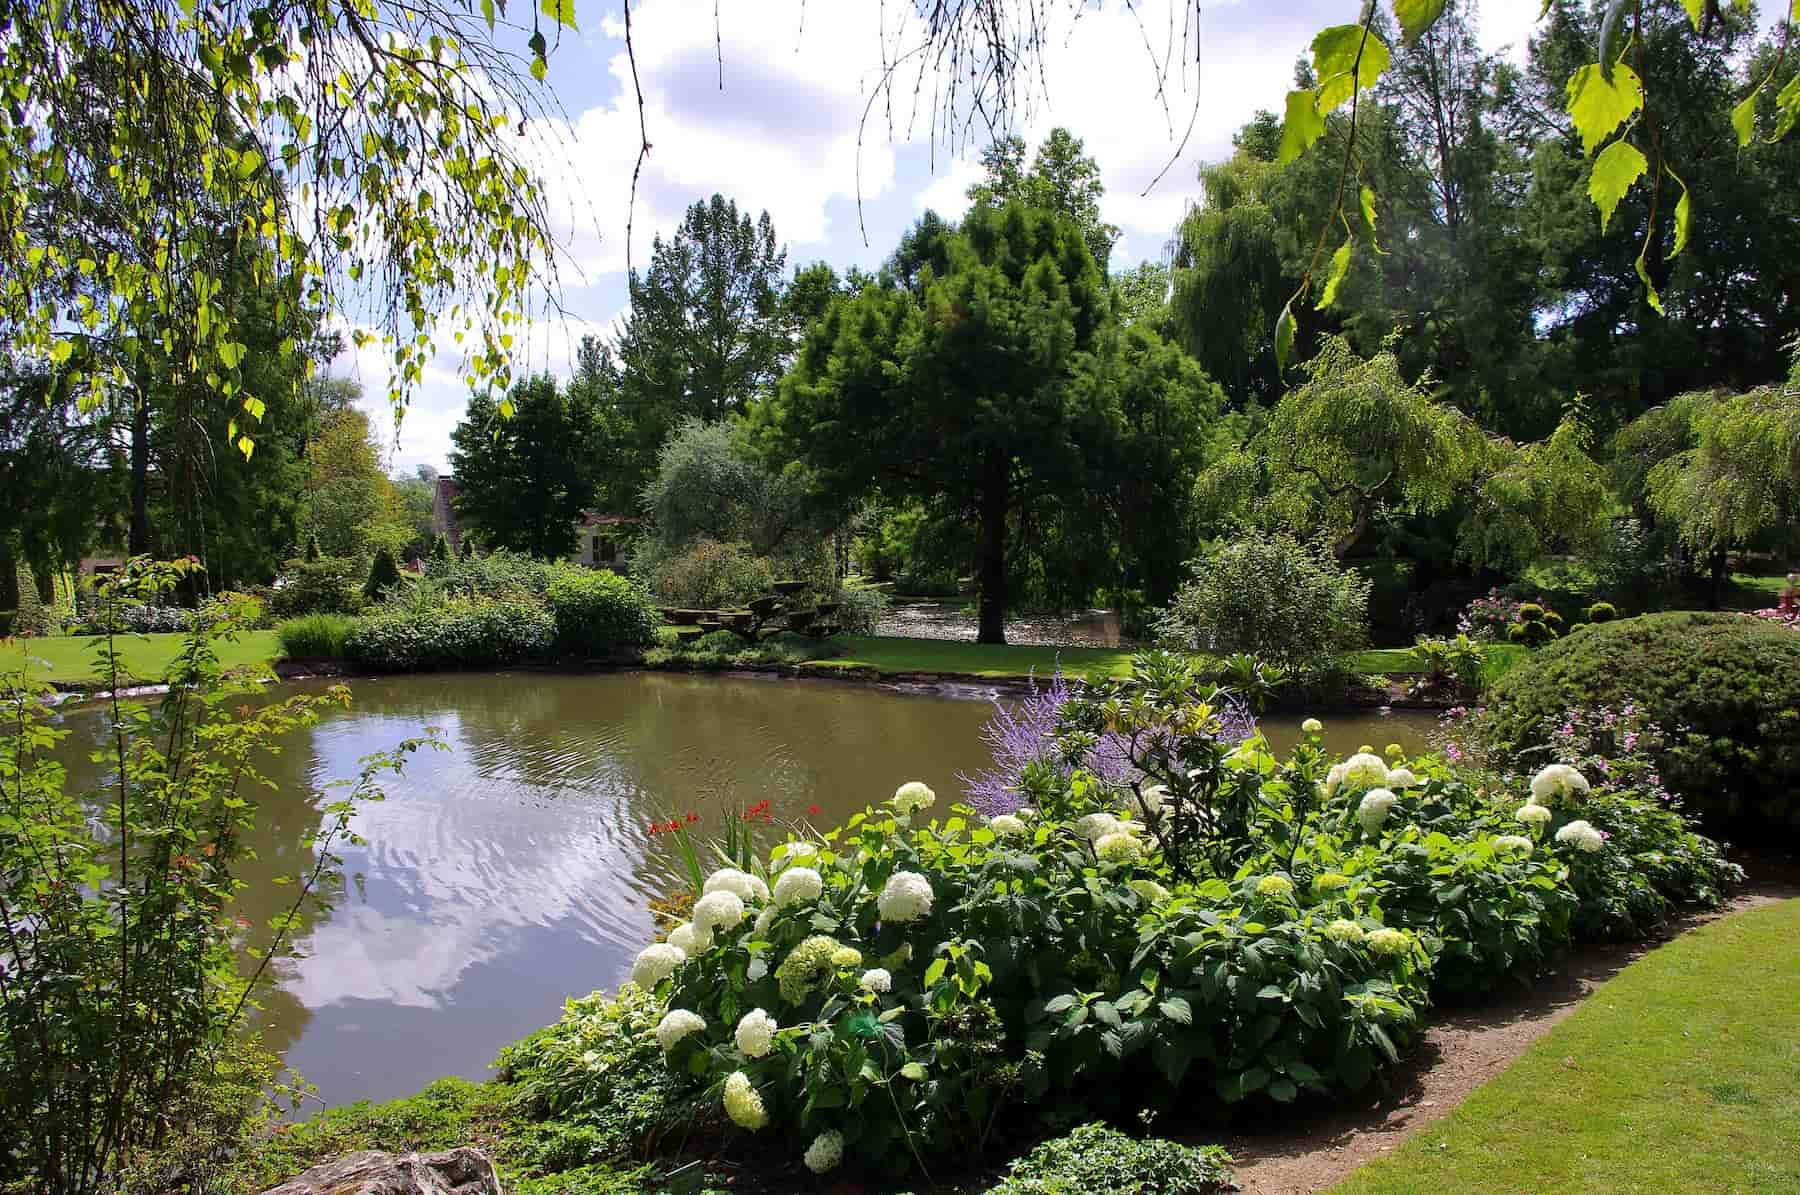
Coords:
pixel 316 636
pixel 384 575
pixel 453 632
pixel 710 575
pixel 500 573
pixel 860 608
pixel 1284 601
pixel 597 612
pixel 1726 686
pixel 1602 612
pixel 1096 1160
pixel 1536 625
pixel 1212 924
pixel 328 585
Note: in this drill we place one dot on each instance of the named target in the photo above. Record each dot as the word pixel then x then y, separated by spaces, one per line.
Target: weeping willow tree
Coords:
pixel 362 157
pixel 1722 471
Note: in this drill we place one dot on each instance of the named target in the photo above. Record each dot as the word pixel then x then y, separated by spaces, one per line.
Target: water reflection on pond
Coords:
pixel 513 870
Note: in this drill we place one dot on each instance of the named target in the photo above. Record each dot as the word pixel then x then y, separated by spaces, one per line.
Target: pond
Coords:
pixel 514 870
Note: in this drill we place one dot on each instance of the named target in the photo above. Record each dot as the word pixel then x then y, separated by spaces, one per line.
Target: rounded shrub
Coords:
pixel 599 612
pixel 1536 625
pixel 1602 612
pixel 1727 687
pixel 457 632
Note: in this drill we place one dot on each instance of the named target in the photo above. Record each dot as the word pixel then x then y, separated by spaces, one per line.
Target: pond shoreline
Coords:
pixel 961 685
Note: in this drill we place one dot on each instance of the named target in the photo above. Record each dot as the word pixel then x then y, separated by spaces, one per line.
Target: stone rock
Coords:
pixel 463 1171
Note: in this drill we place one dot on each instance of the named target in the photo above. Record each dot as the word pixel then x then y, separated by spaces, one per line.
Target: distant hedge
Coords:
pixel 1725 686
pixel 458 632
pixel 599 612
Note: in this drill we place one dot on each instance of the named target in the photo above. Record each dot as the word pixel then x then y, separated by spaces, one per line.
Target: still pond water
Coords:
pixel 513 870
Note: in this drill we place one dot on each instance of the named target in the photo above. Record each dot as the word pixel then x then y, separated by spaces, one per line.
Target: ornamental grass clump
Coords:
pixel 1215 924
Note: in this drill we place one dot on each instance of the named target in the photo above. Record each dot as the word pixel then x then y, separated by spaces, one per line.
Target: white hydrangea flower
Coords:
pixel 690 939
pixel 1401 779
pixel 798 885
pixel 1025 813
pixel 1557 780
pixel 1118 847
pixel 1390 941
pixel 730 879
pixel 913 796
pixel 1096 826
pixel 1150 801
pixel 1275 886
pixel 1334 779
pixel 676 1024
pixel 743 1103
pixel 756 1033
pixel 1513 842
pixel 905 897
pixel 877 979
pixel 764 920
pixel 825 1152
pixel 1376 804
pixel 759 888
pixel 1150 890
pixel 1581 835
pixel 1345 931
pixel 1006 825
pixel 1311 726
pixel 718 910
pixel 1331 881
pixel 1365 769
pixel 656 963
pixel 1533 814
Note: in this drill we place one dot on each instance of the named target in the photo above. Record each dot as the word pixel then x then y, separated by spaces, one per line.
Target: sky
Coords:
pixel 782 134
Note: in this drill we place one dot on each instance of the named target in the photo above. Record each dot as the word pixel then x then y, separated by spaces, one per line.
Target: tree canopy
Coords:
pixel 527 479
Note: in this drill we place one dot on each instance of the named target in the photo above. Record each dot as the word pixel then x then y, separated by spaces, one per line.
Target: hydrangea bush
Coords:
pixel 1216 924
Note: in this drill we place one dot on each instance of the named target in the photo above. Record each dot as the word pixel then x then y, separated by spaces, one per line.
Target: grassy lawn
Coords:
pixel 71 659
pixel 1680 1074
pixel 1748 592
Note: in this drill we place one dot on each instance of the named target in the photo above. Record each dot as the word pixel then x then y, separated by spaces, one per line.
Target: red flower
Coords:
pixel 655 829
pixel 692 818
pixel 813 810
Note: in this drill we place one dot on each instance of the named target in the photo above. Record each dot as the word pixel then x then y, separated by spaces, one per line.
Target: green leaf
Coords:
pixel 1283 1091
pixel 913 1071
pixel 1743 117
pixel 936 971
pixel 561 11
pixel 1340 266
pixel 1347 60
pixel 487 11
pixel 1615 171
pixel 1643 272
pixel 230 353
pixel 1696 11
pixel 1177 1009
pixel 1684 215
pixel 1368 215
pixel 1284 335
pixel 1416 16
pixel 1301 126
pixel 1598 106
pixel 1787 109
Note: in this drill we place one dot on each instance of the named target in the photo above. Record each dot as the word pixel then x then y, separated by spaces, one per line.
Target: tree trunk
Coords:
pixel 1716 588
pixel 139 544
pixel 992 579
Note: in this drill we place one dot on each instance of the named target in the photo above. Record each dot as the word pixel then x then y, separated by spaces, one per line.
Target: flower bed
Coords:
pixel 1204 924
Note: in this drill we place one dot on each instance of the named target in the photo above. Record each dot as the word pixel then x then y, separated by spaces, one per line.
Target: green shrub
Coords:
pixel 328 585
pixel 1097 1160
pixel 860 608
pixel 384 575
pixel 1602 612
pixel 1536 625
pixel 455 632
pixel 599 612
pixel 1274 597
pixel 709 575
pixel 1727 687
pixel 316 636
pixel 500 573
pixel 599 1073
